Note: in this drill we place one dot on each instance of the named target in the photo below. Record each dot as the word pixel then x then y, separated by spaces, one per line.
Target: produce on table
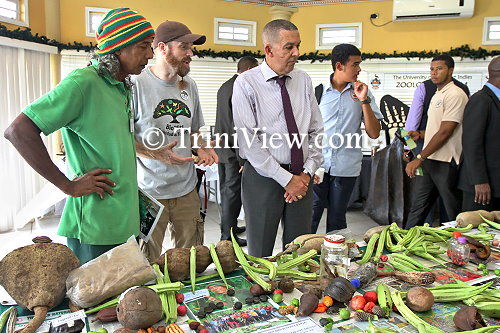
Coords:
pixel 496 213
pixel 472 217
pixel 308 303
pixel 368 307
pixel 203 259
pixel 370 296
pixel 372 231
pixel 181 310
pixel 35 277
pixel 278 298
pixel 358 302
pixel 419 299
pixel 178 263
pixel 344 313
pixel 340 289
pixel 218 266
pixel 179 297
pixel 106 315
pixel 286 284
pixel 173 328
pixel 309 242
pixel 414 277
pixel 482 251
pixel 257 290
pixel 468 318
pixel 122 330
pixel 138 308
pixel 377 310
pixel 320 308
pixel 363 316
pixel 384 298
pixel 328 301
pixel 227 256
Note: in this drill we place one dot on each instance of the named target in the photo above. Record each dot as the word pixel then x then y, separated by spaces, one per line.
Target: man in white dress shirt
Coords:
pixel 274 104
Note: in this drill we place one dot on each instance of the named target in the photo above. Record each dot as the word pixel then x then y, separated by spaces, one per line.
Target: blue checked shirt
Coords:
pixel 342 115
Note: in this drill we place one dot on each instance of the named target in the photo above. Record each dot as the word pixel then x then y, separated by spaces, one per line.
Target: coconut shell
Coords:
pixel 139 308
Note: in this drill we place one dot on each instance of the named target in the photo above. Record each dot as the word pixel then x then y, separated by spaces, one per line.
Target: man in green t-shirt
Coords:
pixel 92 107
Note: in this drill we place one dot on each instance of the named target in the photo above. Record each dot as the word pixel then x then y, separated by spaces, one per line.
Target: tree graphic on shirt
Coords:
pixel 171 107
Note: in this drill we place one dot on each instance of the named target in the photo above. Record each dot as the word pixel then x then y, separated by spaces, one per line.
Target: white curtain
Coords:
pixel 25 76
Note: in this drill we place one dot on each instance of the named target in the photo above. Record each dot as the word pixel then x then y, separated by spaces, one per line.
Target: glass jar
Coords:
pixel 460 252
pixel 334 257
pixel 452 242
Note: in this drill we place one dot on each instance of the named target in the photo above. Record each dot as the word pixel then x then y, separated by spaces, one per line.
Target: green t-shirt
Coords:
pixel 94 114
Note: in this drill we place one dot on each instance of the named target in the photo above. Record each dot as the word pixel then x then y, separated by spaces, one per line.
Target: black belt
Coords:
pixel 288 167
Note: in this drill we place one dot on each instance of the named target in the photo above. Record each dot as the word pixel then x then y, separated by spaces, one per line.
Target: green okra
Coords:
pixel 369 249
pixel 215 259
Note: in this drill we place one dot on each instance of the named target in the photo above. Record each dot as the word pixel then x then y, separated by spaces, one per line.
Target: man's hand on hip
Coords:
pixel 91 182
pixel 483 194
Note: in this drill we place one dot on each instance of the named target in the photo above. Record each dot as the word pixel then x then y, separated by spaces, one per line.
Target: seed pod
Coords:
pixel 362 316
pixel 377 310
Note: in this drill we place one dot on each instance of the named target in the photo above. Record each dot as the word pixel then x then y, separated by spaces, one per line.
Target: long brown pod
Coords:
pixel 415 277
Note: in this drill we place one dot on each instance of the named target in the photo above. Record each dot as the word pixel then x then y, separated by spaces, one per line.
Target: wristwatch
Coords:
pixel 419 157
pixel 368 100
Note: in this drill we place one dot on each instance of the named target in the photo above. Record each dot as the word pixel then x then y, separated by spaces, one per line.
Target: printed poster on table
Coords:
pixel 260 317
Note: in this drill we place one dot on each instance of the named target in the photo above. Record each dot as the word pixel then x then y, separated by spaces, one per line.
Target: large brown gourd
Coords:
pixel 35 277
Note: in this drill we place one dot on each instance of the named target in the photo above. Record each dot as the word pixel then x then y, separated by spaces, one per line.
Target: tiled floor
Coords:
pixel 357 221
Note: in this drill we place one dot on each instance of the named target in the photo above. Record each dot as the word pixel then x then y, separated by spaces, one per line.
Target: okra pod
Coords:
pixel 215 259
pixel 246 267
pixel 369 249
pixel 266 263
pixel 298 261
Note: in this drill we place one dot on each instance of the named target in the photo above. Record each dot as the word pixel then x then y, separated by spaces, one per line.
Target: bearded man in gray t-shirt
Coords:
pixel 168 115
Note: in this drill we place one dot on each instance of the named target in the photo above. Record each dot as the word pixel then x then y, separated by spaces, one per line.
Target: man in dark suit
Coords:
pixel 229 160
pixel 480 173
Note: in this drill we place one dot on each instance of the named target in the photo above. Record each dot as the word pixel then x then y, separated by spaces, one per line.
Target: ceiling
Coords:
pixel 298 3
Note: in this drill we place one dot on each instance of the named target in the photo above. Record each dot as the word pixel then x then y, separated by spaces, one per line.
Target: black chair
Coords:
pixel 394 112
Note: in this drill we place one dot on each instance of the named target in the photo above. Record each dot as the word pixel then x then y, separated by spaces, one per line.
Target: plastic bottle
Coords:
pixel 334 257
pixel 452 242
pixel 460 252
pixel 365 274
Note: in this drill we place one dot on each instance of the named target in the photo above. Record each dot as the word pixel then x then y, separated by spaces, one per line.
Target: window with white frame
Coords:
pixel 329 35
pixel 14 12
pixel 93 17
pixel 491 31
pixel 235 32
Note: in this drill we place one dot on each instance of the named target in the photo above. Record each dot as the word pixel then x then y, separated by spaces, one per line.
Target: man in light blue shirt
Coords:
pixel 344 104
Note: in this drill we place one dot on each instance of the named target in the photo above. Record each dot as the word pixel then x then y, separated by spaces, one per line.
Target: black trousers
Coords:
pixel 265 206
pixel 439 179
pixel 468 203
pixel 334 194
pixel 230 191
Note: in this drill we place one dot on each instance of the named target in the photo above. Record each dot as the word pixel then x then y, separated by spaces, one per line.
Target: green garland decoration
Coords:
pixel 463 51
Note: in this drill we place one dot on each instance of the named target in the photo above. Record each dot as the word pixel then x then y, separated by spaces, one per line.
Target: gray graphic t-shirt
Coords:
pixel 164 113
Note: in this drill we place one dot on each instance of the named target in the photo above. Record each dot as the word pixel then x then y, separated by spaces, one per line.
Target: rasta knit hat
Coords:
pixel 121 27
